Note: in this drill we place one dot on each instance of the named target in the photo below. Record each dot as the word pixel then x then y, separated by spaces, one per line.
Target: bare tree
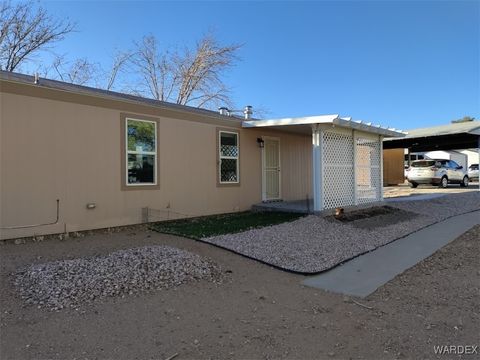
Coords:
pixel 187 77
pixel 118 63
pixel 81 71
pixel 25 30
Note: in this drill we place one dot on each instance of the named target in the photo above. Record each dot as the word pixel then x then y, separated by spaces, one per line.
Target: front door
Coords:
pixel 271 169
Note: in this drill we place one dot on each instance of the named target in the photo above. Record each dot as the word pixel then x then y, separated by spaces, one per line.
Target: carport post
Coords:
pixel 317 142
pixel 380 138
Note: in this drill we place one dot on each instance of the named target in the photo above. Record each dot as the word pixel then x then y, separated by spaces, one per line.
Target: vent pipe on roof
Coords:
pixel 36 78
pixel 224 111
pixel 248 112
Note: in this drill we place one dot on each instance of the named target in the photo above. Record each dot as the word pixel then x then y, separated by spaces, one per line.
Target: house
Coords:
pixel 106 156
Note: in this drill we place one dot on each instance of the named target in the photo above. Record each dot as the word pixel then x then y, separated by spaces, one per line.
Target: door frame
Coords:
pixel 264 182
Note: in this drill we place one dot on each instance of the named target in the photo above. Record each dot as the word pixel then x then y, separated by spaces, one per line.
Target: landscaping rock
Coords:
pixel 314 243
pixel 70 283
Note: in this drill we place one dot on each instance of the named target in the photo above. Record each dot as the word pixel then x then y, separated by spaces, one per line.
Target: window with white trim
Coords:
pixel 141 152
pixel 228 157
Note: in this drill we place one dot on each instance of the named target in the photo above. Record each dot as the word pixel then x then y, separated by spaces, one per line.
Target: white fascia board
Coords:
pixel 321 119
pixel 368 127
pixel 334 119
pixel 475 131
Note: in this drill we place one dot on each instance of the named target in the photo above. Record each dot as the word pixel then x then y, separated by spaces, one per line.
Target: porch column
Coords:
pixel 380 138
pixel 317 167
pixel 355 189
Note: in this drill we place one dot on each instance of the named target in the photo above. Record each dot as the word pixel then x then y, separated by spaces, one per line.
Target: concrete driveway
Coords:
pixel 405 190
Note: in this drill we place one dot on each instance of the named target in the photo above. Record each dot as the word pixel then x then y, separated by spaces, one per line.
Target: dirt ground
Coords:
pixel 405 190
pixel 257 312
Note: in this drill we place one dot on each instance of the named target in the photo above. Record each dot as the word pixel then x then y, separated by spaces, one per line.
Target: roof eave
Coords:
pixel 81 90
pixel 334 119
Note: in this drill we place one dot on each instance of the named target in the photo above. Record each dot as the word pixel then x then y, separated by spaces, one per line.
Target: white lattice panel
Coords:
pixel 368 177
pixel 337 161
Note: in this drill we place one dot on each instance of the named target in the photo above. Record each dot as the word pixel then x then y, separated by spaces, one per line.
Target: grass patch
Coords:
pixel 214 225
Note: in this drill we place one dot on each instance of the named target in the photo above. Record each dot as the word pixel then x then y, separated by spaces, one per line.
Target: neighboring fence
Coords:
pixel 393 167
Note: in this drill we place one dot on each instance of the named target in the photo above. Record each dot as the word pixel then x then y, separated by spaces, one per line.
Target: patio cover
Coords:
pixel 346 157
pixel 303 125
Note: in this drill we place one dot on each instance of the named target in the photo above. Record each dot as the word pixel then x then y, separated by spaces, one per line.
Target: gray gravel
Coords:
pixel 313 244
pixel 70 283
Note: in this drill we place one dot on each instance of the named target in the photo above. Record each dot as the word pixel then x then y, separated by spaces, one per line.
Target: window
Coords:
pixel 228 157
pixel 423 163
pixel 141 152
pixel 452 164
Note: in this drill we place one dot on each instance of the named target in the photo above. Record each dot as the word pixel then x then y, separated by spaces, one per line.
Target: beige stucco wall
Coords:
pixel 53 149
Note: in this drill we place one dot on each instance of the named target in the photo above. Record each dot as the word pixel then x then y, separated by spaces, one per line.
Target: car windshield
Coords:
pixel 423 163
pixel 474 167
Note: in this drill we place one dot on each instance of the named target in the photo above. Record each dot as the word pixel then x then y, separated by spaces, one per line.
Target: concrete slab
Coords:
pixel 297 206
pixel 363 275
pixel 414 197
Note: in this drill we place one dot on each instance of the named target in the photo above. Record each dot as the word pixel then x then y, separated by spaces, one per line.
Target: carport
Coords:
pixel 456 136
pixel 346 157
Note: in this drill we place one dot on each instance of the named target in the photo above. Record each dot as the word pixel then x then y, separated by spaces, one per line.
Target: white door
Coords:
pixel 271 169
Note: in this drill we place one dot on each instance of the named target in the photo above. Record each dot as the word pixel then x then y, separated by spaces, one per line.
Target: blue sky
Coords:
pixel 404 64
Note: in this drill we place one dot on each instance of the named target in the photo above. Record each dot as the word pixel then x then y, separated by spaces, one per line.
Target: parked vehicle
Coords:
pixel 473 172
pixel 413 157
pixel 436 172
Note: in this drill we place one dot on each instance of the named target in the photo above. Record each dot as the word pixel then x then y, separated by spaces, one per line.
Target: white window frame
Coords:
pixel 220 157
pixel 128 152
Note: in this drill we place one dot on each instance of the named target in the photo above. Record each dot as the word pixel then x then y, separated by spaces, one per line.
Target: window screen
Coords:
pixel 228 157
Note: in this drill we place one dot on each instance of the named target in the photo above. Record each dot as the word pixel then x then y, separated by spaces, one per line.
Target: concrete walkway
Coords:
pixel 363 275
pixel 414 197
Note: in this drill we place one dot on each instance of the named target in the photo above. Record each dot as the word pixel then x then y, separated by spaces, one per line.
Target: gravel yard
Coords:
pixel 313 244
pixel 72 283
pixel 255 313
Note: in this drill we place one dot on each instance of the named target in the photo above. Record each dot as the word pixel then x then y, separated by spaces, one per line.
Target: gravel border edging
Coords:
pixel 333 266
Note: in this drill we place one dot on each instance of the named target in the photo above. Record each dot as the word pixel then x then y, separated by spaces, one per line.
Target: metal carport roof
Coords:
pixel 444 137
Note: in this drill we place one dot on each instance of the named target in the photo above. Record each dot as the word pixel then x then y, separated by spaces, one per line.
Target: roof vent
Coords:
pixel 224 111
pixel 248 112
pixel 36 78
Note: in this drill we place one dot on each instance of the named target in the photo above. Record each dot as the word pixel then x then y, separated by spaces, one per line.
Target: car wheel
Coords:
pixel 444 182
pixel 412 184
pixel 464 182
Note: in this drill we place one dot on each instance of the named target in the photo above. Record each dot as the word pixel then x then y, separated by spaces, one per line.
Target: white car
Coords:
pixel 436 172
pixel 473 172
